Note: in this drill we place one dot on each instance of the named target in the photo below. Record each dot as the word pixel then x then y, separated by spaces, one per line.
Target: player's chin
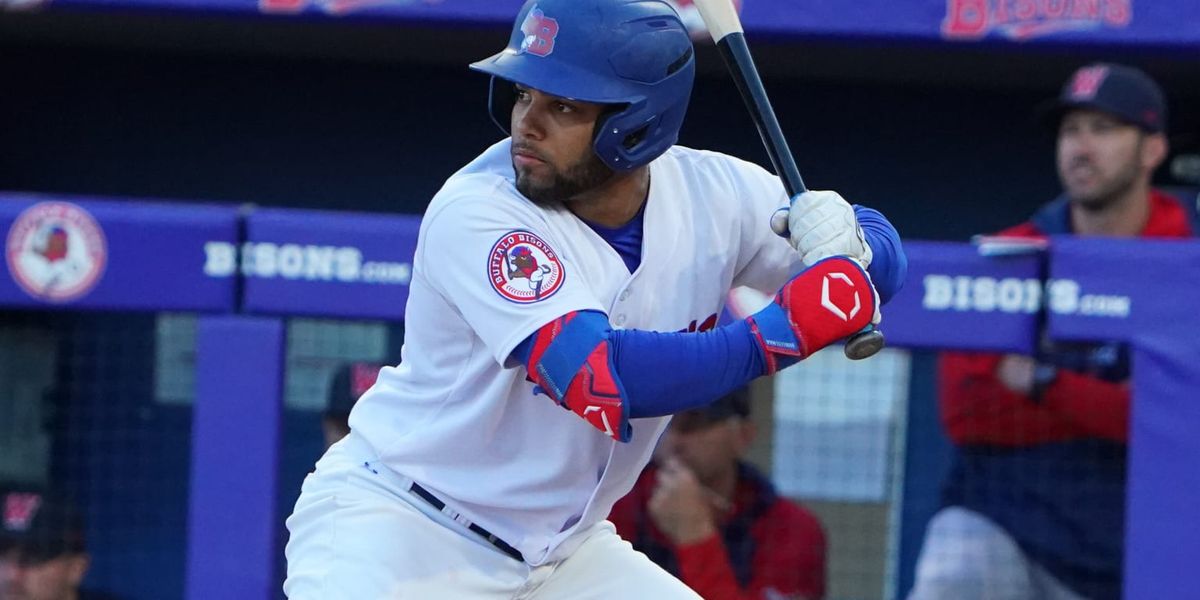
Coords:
pixel 1081 184
pixel 533 171
pixel 536 191
pixel 1089 196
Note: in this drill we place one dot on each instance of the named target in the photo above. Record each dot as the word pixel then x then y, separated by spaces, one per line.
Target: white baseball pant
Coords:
pixel 357 533
pixel 966 555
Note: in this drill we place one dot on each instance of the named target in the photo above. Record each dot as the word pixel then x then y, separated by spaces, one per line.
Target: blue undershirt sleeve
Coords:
pixel 665 373
pixel 889 264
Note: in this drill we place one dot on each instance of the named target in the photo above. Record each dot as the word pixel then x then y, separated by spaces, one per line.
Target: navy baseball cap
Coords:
pixel 38 525
pixel 733 404
pixel 349 383
pixel 1121 91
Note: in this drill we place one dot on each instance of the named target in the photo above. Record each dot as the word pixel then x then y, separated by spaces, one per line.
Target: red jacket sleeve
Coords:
pixel 627 511
pixel 704 567
pixel 977 409
pixel 789 557
pixel 1099 408
pixel 789 561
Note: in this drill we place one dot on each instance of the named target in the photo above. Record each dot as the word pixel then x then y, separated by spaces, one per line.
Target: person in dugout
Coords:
pixel 43 550
pixel 707 516
pixel 1034 506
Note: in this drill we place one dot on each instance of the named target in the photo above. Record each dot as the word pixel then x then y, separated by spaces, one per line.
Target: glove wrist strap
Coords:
pixel 775 338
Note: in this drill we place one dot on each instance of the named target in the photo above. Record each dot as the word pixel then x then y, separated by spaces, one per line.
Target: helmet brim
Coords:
pixel 556 78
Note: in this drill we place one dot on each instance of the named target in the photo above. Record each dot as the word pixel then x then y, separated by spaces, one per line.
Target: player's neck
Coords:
pixel 616 201
pixel 1124 217
pixel 725 485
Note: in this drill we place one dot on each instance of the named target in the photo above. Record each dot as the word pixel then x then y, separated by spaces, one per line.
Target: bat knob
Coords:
pixel 864 344
pixel 779 223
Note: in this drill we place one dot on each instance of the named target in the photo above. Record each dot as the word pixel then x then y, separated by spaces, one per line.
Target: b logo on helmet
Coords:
pixel 540 32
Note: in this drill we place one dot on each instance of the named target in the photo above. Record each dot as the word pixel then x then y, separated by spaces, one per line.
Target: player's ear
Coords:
pixel 1154 151
pixel 747 432
pixel 77 568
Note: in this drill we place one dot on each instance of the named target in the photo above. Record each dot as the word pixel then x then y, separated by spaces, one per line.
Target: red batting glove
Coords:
pixel 826 302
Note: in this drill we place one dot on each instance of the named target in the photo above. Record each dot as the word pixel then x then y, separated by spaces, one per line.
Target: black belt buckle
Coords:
pixel 481 532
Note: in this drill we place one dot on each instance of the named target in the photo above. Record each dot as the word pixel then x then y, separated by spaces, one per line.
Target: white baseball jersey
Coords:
pixel 491 267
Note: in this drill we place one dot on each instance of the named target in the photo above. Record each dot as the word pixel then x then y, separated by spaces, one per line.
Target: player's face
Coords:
pixel 710 450
pixel 552 146
pixel 54 579
pixel 1100 158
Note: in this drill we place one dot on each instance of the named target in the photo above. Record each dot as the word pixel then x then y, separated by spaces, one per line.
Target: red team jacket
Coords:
pixel 978 409
pixel 1050 469
pixel 768 548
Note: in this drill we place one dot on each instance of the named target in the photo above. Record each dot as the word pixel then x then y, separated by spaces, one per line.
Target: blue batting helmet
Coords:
pixel 633 54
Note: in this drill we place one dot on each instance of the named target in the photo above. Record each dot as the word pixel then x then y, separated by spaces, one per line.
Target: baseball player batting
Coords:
pixel 555 282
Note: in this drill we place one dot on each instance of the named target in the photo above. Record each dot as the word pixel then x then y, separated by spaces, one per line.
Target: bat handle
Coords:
pixel 863 344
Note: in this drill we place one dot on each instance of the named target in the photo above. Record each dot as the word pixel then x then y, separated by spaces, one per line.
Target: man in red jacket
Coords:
pixel 1034 505
pixel 714 521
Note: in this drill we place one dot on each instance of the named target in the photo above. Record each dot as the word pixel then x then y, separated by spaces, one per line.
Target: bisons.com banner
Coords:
pixel 323 263
pixel 130 255
pixel 90 253
pixel 86 253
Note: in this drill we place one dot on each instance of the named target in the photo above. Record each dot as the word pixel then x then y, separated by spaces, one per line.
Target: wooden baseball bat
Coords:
pixel 723 24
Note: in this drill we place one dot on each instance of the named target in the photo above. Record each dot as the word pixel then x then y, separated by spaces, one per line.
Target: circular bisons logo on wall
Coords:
pixel 523 268
pixel 56 251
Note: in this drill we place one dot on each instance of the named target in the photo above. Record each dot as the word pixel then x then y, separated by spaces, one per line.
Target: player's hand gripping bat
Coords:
pixel 726 28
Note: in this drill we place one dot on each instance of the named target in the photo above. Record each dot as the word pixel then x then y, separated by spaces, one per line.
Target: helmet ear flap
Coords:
pixel 611 128
pixel 607 133
pixel 604 122
pixel 629 136
pixel 501 98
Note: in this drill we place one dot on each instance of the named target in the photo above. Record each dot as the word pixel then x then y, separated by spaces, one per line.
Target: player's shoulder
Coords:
pixel 469 192
pixel 710 159
pixel 725 177
pixel 487 175
pixel 485 186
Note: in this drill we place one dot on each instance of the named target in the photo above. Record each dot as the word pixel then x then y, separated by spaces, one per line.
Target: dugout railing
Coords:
pixel 242 274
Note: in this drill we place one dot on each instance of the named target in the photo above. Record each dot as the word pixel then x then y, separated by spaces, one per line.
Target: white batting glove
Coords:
pixel 820 224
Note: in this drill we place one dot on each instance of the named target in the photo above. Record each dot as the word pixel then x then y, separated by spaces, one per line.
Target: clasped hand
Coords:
pixel 820 224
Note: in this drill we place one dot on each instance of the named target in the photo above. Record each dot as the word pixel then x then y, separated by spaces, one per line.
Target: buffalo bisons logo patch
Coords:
pixel 56 251
pixel 523 268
